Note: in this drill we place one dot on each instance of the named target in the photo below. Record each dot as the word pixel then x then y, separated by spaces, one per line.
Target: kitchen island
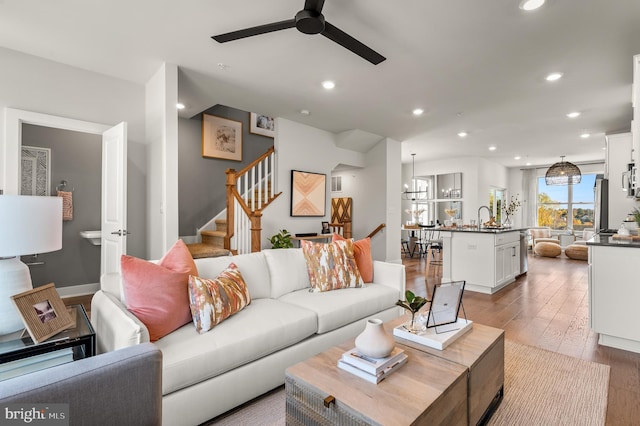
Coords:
pixel 487 259
pixel 614 291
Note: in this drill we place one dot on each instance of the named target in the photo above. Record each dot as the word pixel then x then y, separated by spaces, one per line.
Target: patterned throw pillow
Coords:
pixel 214 300
pixel 331 266
pixel 362 251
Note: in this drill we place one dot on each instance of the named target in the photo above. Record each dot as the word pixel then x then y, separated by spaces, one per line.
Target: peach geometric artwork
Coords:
pixel 308 193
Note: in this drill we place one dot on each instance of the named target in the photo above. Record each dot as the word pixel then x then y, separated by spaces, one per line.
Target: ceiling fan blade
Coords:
pixel 316 5
pixel 345 40
pixel 253 31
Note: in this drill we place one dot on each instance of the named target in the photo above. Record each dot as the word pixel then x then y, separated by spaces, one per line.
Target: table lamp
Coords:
pixel 28 225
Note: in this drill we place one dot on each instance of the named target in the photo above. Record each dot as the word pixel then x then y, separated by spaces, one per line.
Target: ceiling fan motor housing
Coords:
pixel 309 22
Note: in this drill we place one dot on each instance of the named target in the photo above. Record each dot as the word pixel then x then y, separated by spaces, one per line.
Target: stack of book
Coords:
pixel 371 369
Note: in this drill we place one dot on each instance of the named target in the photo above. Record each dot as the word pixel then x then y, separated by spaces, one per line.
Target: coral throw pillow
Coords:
pixel 157 293
pixel 362 253
pixel 213 301
pixel 331 266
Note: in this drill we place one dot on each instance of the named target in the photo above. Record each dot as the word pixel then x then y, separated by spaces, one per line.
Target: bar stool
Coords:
pixel 404 246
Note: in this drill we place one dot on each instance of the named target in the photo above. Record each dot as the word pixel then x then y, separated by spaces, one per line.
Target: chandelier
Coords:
pixel 563 173
pixel 414 193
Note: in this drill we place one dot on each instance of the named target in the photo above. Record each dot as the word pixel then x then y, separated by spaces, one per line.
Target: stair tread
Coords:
pixel 214 233
pixel 200 250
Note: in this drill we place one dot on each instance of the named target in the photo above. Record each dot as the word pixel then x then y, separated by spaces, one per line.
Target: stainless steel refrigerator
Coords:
pixel 601 204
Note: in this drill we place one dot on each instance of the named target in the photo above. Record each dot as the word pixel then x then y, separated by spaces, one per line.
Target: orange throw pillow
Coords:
pixel 157 293
pixel 362 252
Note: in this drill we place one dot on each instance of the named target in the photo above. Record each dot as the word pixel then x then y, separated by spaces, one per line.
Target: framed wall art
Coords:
pixel 308 193
pixel 35 171
pixel 43 312
pixel 221 138
pixel 262 125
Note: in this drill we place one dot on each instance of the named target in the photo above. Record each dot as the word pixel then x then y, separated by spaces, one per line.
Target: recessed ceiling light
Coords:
pixel 328 84
pixel 180 105
pixel 492 148
pixel 530 5
pixel 418 111
pixel 585 135
pixel 573 114
pixel 517 157
pixel 528 164
pixel 554 76
pixel 462 134
pixel 304 112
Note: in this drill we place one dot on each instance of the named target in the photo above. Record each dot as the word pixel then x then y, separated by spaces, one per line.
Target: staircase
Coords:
pixel 212 244
pixel 249 192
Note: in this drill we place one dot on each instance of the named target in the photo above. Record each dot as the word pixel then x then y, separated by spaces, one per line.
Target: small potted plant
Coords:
pixel 281 240
pixel 413 304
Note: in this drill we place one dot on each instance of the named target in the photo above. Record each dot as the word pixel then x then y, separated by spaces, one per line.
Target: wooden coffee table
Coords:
pixel 481 351
pixel 426 390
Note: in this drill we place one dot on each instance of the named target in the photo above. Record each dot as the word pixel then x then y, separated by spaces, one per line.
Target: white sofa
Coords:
pixel 205 375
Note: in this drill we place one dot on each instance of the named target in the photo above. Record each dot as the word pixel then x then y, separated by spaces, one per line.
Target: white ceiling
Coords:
pixel 474 65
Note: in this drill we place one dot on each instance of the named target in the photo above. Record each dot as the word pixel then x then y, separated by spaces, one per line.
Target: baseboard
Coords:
pixel 78 290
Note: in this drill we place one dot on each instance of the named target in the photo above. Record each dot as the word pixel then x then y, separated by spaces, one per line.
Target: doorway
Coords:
pixel 14 121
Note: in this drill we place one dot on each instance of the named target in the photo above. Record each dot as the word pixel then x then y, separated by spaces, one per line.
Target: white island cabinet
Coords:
pixel 614 292
pixel 486 260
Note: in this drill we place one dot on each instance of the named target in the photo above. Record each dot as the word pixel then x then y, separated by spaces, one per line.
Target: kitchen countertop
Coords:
pixel 608 240
pixel 483 230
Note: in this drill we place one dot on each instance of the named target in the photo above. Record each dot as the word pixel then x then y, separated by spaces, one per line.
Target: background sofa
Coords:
pixel 246 355
pixel 122 388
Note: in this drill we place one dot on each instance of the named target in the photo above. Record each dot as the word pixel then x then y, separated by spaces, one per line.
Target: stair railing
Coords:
pixel 249 192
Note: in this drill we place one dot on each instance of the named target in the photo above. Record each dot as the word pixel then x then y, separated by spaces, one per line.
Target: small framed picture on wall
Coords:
pixel 262 125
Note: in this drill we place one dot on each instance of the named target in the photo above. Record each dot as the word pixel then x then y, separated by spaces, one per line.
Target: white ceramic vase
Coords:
pixel 374 341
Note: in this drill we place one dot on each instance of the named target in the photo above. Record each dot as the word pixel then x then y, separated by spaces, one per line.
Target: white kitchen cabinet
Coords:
pixel 614 293
pixel 486 260
pixel 619 148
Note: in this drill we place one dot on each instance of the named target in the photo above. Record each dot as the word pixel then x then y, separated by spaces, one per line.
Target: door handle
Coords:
pixel 121 232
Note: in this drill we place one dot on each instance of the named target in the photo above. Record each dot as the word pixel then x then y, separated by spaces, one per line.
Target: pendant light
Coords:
pixel 563 173
pixel 413 194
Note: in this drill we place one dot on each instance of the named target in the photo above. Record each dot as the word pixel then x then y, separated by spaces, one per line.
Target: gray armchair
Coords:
pixel 122 387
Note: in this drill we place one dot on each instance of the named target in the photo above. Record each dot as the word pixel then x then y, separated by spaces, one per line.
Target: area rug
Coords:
pixel 541 388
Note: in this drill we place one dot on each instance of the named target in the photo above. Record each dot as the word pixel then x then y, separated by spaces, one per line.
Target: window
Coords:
pixel 496 201
pixel 336 184
pixel 566 207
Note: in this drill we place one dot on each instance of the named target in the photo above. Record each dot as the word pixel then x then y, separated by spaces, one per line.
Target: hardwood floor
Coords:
pixel 548 308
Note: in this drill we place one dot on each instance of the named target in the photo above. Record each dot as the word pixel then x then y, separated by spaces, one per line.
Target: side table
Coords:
pixel 20 355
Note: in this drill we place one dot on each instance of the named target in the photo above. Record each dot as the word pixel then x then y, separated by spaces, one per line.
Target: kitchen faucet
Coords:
pixel 479 210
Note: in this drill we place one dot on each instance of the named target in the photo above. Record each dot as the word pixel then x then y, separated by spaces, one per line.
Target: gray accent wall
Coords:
pixel 77 158
pixel 202 180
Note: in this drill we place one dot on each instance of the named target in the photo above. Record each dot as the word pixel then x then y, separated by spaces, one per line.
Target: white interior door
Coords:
pixel 114 198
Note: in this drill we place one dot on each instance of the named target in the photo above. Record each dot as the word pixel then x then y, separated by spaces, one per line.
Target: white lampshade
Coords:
pixel 28 225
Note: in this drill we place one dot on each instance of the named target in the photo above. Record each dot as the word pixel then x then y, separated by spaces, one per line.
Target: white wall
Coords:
pixel 375 197
pixel 301 147
pixel 38 85
pixel 162 181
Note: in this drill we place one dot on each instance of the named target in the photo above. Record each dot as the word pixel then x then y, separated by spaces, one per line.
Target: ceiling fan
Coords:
pixel 308 21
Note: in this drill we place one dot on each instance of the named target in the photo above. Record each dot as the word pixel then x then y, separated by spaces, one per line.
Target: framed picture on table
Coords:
pixel 445 304
pixel 43 312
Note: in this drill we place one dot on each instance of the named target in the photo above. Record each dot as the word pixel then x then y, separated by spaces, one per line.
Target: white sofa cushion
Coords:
pixel 340 307
pixel 288 270
pixel 262 328
pixel 252 266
